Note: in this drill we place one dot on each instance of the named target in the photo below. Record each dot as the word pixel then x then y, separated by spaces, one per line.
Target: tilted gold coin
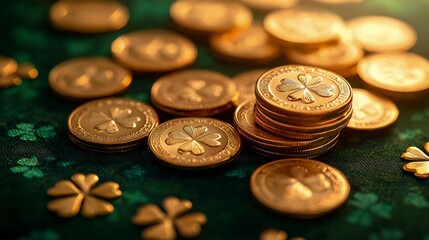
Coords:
pixel 246 85
pixel 8 66
pixel 382 34
pixel 112 122
pixel 194 143
pixel 270 5
pixel 303 91
pixel 303 27
pixel 193 90
pixel 251 44
pixel 90 16
pixel 371 111
pixel 210 16
pixel 154 51
pixel 89 77
pixel 299 188
pixel 395 72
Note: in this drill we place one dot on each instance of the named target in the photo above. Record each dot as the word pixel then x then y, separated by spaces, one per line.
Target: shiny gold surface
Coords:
pixel 27 71
pixel 89 16
pixel 88 77
pixel 419 164
pixel 194 143
pixel 10 81
pixel 81 195
pixel 299 188
pixel 382 34
pixel 371 111
pixel 246 85
pixel 8 66
pixel 154 51
pixel 270 5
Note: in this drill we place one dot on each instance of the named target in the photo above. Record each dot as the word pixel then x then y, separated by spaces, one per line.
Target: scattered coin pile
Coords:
pixel 11 73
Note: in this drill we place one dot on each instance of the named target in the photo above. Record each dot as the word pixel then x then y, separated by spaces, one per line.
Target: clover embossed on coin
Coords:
pixel 115 116
pixel 299 188
pixel 194 143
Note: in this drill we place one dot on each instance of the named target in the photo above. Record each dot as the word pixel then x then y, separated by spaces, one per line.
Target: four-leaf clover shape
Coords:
pixel 163 224
pixel 81 195
pixel 303 88
pixel 109 122
pixel 192 138
pixel 196 90
pixel 420 167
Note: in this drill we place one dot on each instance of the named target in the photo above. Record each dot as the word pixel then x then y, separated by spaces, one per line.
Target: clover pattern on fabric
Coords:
pixel 37 234
pixel 191 140
pixel 80 195
pixel 27 132
pixel 419 164
pixel 367 207
pixel 163 225
pixel 387 234
pixel 305 87
pixel 299 184
pixel 415 198
pixel 109 122
pixel 196 90
pixel 29 167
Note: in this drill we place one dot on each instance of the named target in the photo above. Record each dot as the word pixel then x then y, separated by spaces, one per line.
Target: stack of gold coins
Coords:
pixel 111 124
pixel 194 93
pixel 307 106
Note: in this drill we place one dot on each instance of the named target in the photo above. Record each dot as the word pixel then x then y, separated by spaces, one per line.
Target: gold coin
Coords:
pixel 193 90
pixel 194 143
pixel 27 70
pixel 303 91
pixel 246 85
pixel 10 81
pixel 270 5
pixel 340 1
pixel 154 51
pixel 371 111
pixel 299 188
pixel 8 66
pixel 89 16
pixel 210 16
pixel 303 27
pixel 395 72
pixel 250 44
pixel 382 34
pixel 88 77
pixel 112 122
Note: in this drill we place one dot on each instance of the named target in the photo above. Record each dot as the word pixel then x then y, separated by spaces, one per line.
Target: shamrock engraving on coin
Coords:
pixel 299 188
pixel 194 143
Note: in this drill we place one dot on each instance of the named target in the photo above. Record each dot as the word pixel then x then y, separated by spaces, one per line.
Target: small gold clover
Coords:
pixel 420 167
pixel 162 225
pixel 81 195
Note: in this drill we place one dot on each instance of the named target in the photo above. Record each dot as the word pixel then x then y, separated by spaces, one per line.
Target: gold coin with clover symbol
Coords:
pixel 194 143
pixel 81 195
pixel 163 224
pixel 419 161
pixel 112 122
pixel 303 91
pixel 299 188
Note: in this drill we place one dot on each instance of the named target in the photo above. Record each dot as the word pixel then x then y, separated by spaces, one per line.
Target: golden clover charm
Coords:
pixel 81 195
pixel 420 167
pixel 164 225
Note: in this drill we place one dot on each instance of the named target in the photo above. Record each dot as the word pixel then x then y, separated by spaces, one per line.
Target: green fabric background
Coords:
pixel 35 152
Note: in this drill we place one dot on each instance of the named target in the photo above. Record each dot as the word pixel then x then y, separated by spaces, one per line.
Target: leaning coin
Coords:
pixel 299 188
pixel 112 122
pixel 154 51
pixel 371 111
pixel 88 77
pixel 246 85
pixel 194 143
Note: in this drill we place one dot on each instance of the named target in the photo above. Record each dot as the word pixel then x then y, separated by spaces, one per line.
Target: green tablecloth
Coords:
pixel 385 202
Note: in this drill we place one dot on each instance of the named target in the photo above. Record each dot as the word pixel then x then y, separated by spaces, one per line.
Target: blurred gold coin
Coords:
pixel 27 71
pixel 340 1
pixel 246 85
pixel 245 45
pixel 194 143
pixel 299 188
pixel 10 81
pixel 89 16
pixel 382 34
pixel 112 122
pixel 295 90
pixel 193 90
pixel 371 111
pixel 8 66
pixel 303 27
pixel 270 5
pixel 395 72
pixel 210 16
pixel 154 51
pixel 88 77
